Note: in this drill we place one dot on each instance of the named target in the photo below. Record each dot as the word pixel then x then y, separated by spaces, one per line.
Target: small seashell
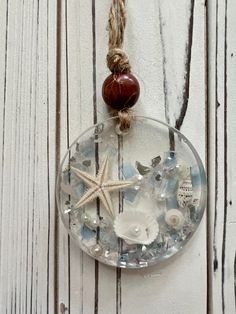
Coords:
pixel 185 193
pixel 136 227
pixel 183 169
pixel 174 218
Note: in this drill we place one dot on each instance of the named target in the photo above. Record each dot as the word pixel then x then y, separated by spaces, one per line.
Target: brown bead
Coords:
pixel 120 90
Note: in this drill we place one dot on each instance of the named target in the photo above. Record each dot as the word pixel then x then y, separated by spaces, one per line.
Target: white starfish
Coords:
pixel 100 187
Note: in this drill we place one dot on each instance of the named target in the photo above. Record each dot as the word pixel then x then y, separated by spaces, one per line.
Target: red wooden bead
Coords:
pixel 121 90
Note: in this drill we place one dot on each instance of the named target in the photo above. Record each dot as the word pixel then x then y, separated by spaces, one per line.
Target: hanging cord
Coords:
pixel 117 59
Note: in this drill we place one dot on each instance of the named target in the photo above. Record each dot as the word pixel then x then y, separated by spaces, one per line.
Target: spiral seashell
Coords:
pixel 174 218
pixel 185 193
pixel 136 227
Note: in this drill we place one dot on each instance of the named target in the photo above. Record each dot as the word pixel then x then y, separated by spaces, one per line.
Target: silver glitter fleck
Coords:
pixel 156 161
pixel 142 169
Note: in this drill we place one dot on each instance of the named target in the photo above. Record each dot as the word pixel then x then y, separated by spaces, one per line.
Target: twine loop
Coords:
pixel 118 61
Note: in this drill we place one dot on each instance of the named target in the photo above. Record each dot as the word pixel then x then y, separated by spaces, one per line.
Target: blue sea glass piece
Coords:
pixel 167 188
pixel 108 238
pixel 123 259
pixel 195 176
pixel 87 148
pixel 130 172
pixel 87 233
pixel 170 161
pixel 171 202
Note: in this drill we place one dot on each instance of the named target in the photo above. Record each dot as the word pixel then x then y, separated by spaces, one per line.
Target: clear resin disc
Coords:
pixel 134 199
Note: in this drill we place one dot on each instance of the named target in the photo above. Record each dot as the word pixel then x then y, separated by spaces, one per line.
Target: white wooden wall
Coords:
pixel 52 65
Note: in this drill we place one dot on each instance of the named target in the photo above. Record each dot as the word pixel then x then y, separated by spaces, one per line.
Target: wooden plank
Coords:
pixel 27 156
pixel 229 286
pixel 84 285
pixel 222 49
pixel 34 277
pixel 162 287
pixel 76 283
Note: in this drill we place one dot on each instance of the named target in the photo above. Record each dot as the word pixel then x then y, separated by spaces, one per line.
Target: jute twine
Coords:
pixel 117 59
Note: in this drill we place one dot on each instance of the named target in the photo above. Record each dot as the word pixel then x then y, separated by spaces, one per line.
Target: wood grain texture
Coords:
pixel 52 66
pixel 27 156
pixel 100 288
pixel 222 49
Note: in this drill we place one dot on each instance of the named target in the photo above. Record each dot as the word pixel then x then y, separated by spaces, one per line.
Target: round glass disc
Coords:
pixel 131 200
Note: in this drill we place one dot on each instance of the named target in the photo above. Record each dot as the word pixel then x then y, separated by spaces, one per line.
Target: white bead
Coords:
pixel 85 218
pixel 93 223
pixel 174 218
pixel 96 250
pixel 135 230
pixel 136 227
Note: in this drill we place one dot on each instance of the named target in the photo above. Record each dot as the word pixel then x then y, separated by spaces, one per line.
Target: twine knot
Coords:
pixel 118 61
pixel 125 117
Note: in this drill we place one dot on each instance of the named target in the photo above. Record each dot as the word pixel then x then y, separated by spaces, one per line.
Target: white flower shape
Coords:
pixel 136 227
pixel 174 218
